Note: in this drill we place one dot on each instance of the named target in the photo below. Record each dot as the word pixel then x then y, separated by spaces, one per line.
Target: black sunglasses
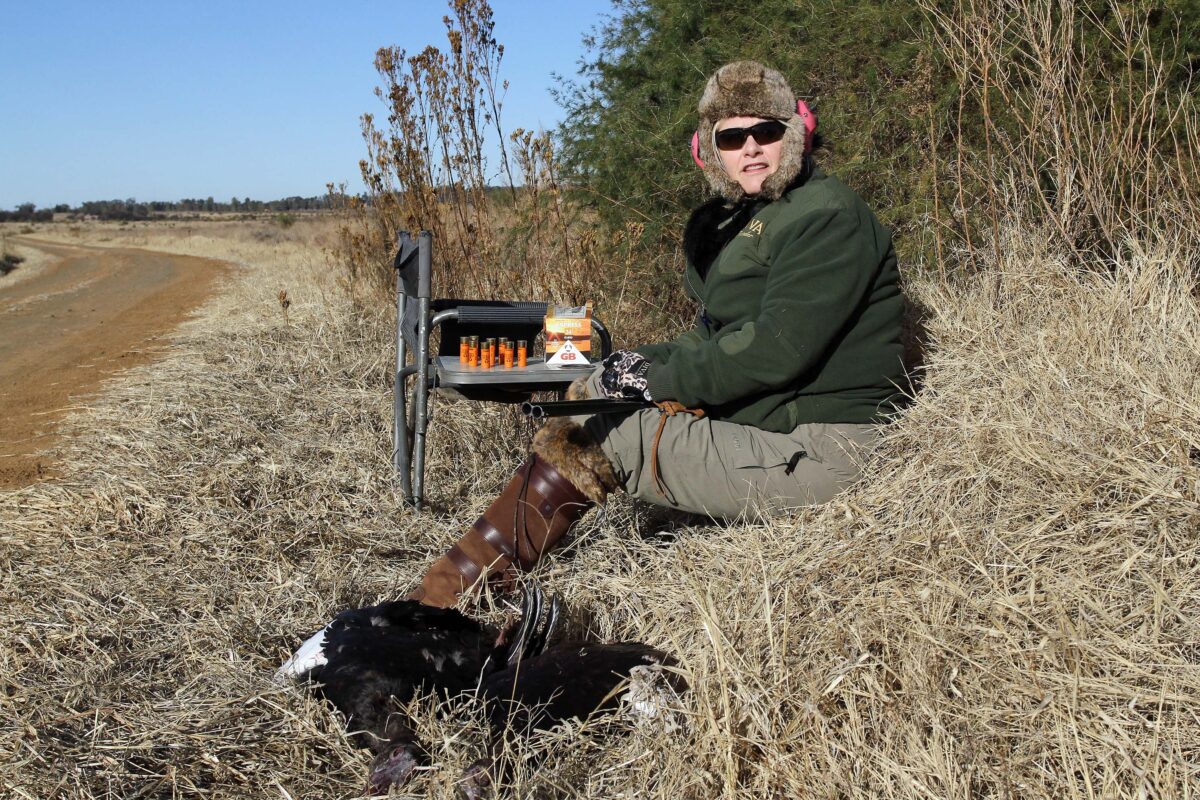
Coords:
pixel 766 132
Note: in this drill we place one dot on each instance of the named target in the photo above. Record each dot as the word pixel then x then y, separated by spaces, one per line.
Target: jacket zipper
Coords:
pixel 704 318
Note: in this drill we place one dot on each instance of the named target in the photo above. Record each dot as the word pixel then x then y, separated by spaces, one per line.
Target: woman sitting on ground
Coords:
pixel 794 362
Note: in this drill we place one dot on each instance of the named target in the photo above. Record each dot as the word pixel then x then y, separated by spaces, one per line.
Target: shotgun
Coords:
pixel 572 408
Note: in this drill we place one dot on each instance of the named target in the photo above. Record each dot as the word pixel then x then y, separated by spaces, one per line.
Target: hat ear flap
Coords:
pixel 704 154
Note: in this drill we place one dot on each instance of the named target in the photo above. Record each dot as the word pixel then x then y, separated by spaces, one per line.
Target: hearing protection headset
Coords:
pixel 807 116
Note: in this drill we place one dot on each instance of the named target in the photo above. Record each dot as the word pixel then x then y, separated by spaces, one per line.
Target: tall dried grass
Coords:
pixel 1083 122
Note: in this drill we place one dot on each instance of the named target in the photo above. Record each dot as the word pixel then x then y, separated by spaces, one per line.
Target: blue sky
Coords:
pixel 161 100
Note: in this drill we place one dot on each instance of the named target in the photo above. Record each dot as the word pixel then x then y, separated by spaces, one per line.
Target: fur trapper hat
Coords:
pixel 748 89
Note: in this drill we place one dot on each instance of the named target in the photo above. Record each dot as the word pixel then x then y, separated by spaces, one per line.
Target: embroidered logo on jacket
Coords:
pixel 753 228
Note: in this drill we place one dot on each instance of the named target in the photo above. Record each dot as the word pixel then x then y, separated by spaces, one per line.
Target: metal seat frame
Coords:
pixel 418 317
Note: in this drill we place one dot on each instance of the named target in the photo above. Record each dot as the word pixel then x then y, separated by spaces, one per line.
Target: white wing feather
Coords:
pixel 310 656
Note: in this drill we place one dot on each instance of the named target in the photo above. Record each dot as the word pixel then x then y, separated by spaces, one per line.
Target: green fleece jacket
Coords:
pixel 801 314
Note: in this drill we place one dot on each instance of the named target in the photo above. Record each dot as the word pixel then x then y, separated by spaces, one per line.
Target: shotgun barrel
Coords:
pixel 571 408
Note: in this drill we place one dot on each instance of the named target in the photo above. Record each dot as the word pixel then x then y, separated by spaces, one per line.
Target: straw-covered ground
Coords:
pixel 1007 605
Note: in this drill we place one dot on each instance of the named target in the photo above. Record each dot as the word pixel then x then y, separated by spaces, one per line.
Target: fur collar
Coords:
pixel 712 226
pixel 714 223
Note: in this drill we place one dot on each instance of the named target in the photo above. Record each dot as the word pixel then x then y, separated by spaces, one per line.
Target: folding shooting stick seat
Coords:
pixel 418 317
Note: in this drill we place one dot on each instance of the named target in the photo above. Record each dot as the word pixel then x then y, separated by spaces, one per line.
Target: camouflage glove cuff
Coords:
pixel 624 377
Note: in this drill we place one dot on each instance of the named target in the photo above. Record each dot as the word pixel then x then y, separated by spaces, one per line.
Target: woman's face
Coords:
pixel 753 161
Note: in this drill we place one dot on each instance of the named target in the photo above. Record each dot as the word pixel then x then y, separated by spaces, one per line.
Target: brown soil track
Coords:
pixel 90 313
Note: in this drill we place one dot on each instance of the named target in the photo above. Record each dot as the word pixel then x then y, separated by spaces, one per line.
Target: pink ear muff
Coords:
pixel 696 149
pixel 809 118
pixel 806 114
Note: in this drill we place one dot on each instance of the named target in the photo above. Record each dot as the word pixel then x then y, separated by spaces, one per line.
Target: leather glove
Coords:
pixel 624 377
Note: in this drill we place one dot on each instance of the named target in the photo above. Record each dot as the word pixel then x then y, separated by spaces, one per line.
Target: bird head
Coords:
pixel 476 780
pixel 394 766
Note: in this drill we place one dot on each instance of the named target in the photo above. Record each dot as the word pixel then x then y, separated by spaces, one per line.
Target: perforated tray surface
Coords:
pixel 451 372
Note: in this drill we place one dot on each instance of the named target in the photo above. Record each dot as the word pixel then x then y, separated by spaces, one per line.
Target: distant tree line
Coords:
pixel 132 209
pixel 27 212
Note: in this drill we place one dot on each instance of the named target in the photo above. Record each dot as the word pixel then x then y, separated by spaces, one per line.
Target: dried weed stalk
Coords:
pixel 426 168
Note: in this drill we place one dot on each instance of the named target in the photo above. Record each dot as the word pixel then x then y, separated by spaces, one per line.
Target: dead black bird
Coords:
pixel 564 682
pixel 368 660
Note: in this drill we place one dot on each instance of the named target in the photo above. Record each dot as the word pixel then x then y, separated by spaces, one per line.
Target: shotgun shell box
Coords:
pixel 569 324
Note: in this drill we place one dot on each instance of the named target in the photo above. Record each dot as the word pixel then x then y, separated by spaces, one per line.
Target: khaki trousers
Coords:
pixel 727 470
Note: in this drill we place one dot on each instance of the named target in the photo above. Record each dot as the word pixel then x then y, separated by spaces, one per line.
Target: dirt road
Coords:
pixel 87 314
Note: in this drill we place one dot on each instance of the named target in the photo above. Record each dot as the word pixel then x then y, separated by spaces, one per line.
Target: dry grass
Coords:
pixel 1006 606
pixel 259 240
pixel 32 261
